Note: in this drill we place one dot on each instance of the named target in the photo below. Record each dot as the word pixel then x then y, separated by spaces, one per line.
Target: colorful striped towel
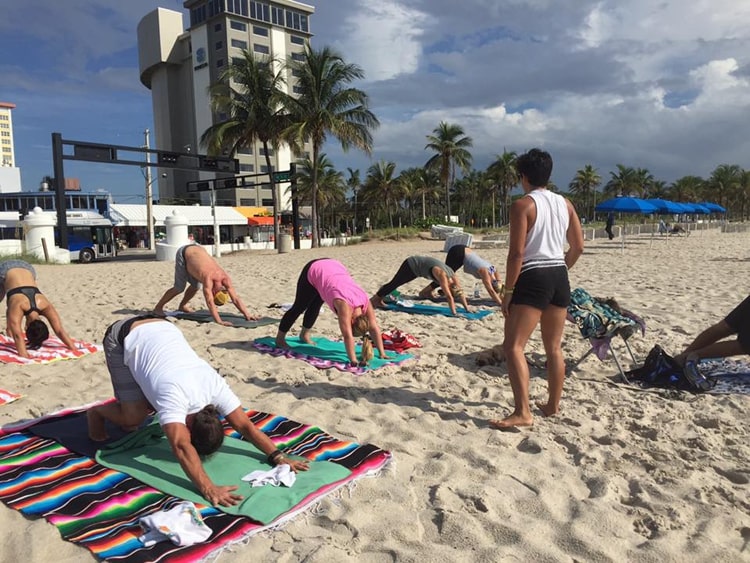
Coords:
pixel 421 309
pixel 98 508
pixel 8 397
pixel 325 354
pixel 52 351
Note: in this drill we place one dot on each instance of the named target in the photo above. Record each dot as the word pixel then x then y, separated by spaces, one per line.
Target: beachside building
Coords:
pixel 10 174
pixel 178 65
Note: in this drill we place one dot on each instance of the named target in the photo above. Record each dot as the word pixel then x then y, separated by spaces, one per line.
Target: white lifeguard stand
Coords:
pixel 177 236
pixel 39 228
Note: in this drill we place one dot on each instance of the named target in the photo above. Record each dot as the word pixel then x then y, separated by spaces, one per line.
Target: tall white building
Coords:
pixel 179 65
pixel 10 174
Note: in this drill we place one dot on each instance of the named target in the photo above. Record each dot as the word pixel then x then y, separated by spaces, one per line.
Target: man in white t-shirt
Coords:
pixel 153 367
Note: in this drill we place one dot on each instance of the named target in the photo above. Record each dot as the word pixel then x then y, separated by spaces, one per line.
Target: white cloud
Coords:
pixel 384 38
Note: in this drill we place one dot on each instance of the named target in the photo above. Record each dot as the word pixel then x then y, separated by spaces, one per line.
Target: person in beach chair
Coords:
pixel 424 267
pixel 663 228
pixel 328 281
pixel 194 266
pixel 600 320
pixel 678 230
pixel 461 256
pixel 152 366
pixel 26 302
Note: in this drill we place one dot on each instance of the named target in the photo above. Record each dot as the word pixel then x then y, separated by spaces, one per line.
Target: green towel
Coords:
pixel 147 456
pixel 326 353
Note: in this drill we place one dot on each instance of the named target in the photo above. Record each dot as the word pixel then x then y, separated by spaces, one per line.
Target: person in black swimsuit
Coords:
pixel 25 301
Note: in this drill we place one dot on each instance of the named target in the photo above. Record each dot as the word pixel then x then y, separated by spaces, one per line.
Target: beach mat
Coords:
pixel 730 376
pixel 8 397
pixel 325 354
pixel 98 508
pixel 51 351
pixel 204 316
pixel 422 309
pixel 71 431
pixel 147 456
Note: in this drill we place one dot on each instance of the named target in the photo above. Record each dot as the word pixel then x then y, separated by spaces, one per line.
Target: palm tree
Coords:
pixel 354 183
pixel 505 177
pixel 248 92
pixel 326 104
pixel 724 179
pixel 686 188
pixel 331 185
pixel 382 188
pixel 450 145
pixel 623 182
pixel 584 184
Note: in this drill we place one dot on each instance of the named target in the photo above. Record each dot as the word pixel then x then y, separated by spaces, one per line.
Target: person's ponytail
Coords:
pixel 366 353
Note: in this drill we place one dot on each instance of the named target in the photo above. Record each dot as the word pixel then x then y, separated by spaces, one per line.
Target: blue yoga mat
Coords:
pixel 420 309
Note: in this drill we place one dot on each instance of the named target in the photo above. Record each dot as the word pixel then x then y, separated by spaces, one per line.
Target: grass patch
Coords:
pixel 30 258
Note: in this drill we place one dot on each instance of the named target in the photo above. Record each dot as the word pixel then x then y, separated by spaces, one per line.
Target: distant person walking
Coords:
pixel 194 266
pixel 610 224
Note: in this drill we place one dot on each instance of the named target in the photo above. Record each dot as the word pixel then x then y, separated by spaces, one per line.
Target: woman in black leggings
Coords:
pixel 424 267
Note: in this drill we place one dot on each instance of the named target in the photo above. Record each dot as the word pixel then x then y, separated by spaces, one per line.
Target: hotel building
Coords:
pixel 179 65
pixel 10 174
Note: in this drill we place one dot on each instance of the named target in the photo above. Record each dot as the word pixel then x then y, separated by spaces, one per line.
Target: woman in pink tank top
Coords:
pixel 328 281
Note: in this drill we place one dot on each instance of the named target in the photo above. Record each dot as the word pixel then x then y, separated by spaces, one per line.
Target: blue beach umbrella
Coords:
pixel 664 206
pixel 697 208
pixel 713 207
pixel 626 205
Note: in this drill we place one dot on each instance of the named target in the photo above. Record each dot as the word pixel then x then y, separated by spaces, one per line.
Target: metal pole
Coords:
pixel 217 247
pixel 60 200
pixel 149 199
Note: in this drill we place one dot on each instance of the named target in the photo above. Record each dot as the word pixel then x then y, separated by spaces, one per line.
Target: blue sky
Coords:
pixel 663 86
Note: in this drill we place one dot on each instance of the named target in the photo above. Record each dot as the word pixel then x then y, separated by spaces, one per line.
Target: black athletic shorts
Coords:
pixel 540 287
pixel 739 320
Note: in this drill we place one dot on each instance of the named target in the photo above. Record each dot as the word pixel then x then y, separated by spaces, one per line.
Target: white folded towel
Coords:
pixel 279 475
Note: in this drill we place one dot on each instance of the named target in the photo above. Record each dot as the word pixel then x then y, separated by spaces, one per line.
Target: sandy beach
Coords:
pixel 620 475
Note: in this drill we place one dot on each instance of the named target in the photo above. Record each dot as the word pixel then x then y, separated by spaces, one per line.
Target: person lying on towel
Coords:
pixel 193 266
pixel 152 366
pixel 461 256
pixel 25 301
pixel 424 267
pixel 328 281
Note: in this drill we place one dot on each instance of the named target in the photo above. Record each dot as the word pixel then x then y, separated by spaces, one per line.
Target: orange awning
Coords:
pixel 255 215
pixel 257 221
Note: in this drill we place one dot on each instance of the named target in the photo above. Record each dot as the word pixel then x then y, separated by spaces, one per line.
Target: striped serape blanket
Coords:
pixel 98 508
pixel 52 351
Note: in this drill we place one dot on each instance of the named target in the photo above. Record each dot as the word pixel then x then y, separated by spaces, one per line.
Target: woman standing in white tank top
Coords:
pixel 537 290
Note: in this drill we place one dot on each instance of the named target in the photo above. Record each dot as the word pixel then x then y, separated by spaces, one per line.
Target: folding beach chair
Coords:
pixel 599 322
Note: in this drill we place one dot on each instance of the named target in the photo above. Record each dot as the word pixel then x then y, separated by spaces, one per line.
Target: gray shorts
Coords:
pixel 8 265
pixel 125 387
pixel 181 276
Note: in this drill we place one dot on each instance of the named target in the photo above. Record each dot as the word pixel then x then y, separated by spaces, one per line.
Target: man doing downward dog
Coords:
pixel 152 366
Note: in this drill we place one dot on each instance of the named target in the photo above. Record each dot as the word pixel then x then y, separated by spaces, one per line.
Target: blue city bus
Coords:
pixel 90 236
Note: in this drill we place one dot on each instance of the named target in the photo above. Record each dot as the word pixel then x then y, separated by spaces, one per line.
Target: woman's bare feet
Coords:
pixel 377 301
pixel 512 421
pixel 97 431
pixel 547 409
pixel 186 309
pixel 306 338
pixel 281 341
pixel 426 294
